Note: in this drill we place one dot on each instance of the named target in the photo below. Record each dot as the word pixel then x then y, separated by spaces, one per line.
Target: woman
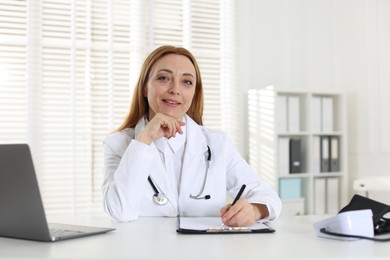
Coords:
pixel 163 162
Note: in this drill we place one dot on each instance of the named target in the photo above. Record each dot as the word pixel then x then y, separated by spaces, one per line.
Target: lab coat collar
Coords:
pixel 196 140
pixel 175 143
pixel 140 126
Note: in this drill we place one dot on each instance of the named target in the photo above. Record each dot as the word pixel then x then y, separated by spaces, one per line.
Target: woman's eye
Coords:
pixel 163 78
pixel 188 82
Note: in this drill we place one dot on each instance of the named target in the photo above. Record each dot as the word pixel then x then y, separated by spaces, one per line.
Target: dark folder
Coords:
pixel 334 153
pixel 295 155
pixel 325 154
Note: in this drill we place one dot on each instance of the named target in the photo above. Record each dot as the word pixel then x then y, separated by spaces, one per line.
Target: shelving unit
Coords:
pixel 310 173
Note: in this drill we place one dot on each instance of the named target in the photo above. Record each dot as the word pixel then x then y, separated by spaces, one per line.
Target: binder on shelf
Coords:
pixel 283 154
pixel 334 154
pixel 281 106
pixel 327 114
pixel 319 196
pixel 332 195
pixel 316 154
pixel 325 154
pixel 316 114
pixel 295 155
pixel 290 188
pixel 293 114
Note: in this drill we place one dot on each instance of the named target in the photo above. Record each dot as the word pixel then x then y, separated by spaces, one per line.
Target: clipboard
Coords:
pixel 213 225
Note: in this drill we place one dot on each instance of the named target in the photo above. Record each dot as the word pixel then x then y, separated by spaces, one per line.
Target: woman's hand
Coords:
pixel 160 126
pixel 243 213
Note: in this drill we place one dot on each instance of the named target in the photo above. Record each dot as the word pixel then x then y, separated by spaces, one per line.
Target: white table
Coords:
pixel 156 238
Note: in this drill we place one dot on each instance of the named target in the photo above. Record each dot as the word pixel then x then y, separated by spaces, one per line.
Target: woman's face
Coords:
pixel 171 86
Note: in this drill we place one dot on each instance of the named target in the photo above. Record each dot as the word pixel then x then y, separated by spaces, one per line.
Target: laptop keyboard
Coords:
pixel 64 232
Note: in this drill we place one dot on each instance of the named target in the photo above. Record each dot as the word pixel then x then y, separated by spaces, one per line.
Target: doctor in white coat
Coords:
pixel 163 162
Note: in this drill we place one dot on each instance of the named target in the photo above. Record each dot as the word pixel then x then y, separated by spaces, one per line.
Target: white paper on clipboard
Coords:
pixel 214 225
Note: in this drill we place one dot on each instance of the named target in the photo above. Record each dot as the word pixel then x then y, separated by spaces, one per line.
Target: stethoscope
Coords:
pixel 161 199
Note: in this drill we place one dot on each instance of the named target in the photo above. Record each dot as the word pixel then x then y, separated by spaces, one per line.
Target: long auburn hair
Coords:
pixel 139 105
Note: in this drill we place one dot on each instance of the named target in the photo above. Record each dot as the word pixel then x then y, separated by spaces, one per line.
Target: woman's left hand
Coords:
pixel 243 213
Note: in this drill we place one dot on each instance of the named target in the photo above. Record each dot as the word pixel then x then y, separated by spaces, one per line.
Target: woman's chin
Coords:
pixel 177 116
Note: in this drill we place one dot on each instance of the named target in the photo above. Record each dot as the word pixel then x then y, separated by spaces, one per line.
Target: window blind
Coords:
pixel 67 72
pixel 14 104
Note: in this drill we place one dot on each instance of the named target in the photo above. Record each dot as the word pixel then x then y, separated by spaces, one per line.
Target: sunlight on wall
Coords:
pixel 4 77
pixel 261 128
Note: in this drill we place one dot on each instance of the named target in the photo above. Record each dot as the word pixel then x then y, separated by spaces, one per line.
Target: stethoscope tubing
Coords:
pixel 161 199
pixel 152 184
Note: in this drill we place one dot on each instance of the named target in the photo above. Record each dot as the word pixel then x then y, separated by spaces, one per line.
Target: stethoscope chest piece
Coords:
pixel 160 199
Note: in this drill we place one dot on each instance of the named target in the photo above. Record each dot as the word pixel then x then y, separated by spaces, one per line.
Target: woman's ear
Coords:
pixel 145 92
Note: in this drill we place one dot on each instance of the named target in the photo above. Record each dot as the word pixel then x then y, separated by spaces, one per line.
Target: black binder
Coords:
pixel 295 155
pixel 325 160
pixel 334 153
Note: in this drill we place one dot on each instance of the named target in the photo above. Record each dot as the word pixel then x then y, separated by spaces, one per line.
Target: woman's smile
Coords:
pixel 171 102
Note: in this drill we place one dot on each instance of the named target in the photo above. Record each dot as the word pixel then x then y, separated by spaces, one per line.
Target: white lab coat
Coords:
pixel 127 193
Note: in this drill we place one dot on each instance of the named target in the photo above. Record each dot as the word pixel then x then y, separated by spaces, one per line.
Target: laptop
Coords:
pixel 22 213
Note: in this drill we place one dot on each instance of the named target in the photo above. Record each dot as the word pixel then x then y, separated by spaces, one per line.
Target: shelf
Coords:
pixel 295 175
pixel 328 133
pixel 292 133
pixel 328 174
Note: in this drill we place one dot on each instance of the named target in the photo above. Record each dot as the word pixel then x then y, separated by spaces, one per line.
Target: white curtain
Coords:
pixel 67 71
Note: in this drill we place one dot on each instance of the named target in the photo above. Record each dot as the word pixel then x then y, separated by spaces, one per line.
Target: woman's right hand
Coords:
pixel 160 126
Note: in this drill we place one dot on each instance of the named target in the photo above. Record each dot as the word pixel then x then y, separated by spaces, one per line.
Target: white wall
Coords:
pixel 332 45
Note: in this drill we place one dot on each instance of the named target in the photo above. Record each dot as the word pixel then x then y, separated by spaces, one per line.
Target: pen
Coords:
pixel 239 194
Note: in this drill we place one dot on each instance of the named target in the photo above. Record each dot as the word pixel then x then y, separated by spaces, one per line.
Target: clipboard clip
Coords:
pixel 229 230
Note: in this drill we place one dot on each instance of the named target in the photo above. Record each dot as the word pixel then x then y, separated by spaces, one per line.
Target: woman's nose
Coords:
pixel 174 88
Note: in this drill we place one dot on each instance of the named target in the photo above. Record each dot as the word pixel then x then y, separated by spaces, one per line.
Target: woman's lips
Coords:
pixel 171 102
